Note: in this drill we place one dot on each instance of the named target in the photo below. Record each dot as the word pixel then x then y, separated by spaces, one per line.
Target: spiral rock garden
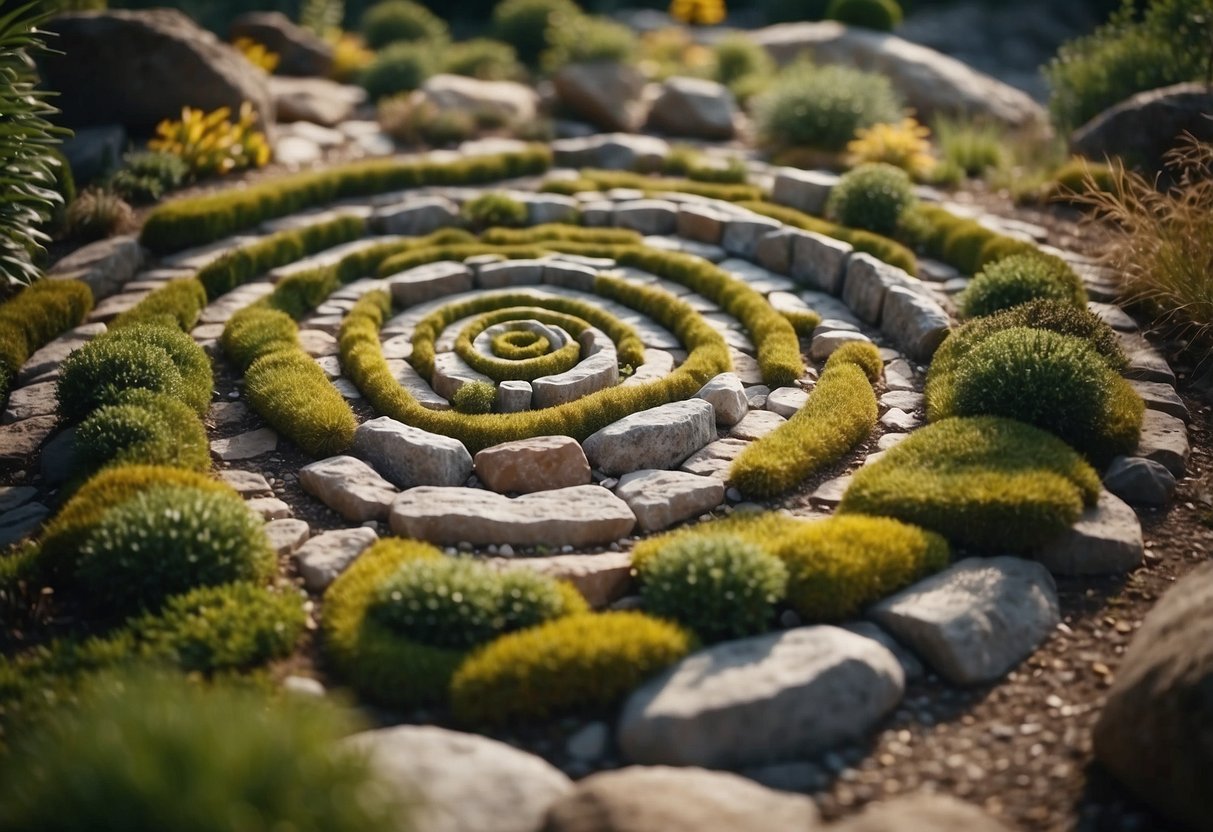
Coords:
pixel 593 483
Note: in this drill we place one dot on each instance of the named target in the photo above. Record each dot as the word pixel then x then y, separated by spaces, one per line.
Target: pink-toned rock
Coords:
pixel 529 465
pixel 601 579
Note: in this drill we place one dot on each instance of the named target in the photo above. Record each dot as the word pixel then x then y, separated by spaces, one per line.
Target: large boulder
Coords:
pixel 137 68
pixel 694 107
pixel 1155 733
pixel 605 93
pixel 930 82
pixel 1144 127
pixel 507 99
pixel 299 51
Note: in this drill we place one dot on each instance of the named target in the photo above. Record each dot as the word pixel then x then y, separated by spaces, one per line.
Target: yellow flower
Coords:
pixel 905 145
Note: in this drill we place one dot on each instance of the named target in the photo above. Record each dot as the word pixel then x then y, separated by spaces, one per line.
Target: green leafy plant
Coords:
pixel 873 196
pixel 168 540
pixel 474 397
pixel 576 663
pixel 147 176
pixel 1021 278
pixel 882 15
pixel 821 107
pixel 161 752
pixel 719 586
pixel 27 148
pixel 987 483
pixel 588 39
pixel 494 209
pixel 396 21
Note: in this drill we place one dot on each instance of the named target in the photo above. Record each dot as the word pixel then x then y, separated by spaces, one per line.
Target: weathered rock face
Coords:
pixel 299 51
pixel 582 515
pixel 930 82
pixel 328 554
pixel 317 100
pixel 349 487
pixel 508 99
pixel 694 107
pixel 1106 540
pixel 662 498
pixel 1144 127
pixel 661 437
pixel 607 94
pixel 727 397
pixel 537 464
pixel 136 68
pixel 760 700
pixel 409 456
pixel 614 151
pixel 661 799
pixel 462 782
pixel 1155 733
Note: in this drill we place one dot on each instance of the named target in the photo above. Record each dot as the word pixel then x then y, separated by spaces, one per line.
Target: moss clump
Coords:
pixel 881 15
pixel 555 232
pixel 719 586
pixel 592 179
pixel 102 371
pixel 763 529
pixel 1021 278
pixel 528 368
pixel 840 565
pixel 474 397
pixel 35 316
pixel 234 626
pixel 292 393
pixel 576 663
pixel 840 413
pixel 1055 382
pixel 519 345
pixel 821 107
pixel 161 752
pixel 167 540
pixel 256 331
pixel 396 21
pixel 380 643
pixel 494 210
pixel 987 483
pixel 142 428
pixel 197 383
pixel 177 305
pixel 872 196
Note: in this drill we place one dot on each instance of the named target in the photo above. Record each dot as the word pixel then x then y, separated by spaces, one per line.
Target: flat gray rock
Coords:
pixel 647 216
pixel 661 437
pixel 14 496
pixel 1106 540
pixel 714 459
pixel 756 424
pixel 21 522
pixel 583 515
pixel 287 535
pixel 409 456
pixel 416 216
pixel 456 782
pixel 349 487
pixel 867 282
pixel 785 401
pixel 429 282
pixel 659 499
pixel 914 322
pixel 269 508
pixel 247 483
pixel 328 554
pixel 46 360
pixel 804 190
pixel 825 343
pixel 819 261
pixel 728 398
pixel 760 700
pixel 1164 439
pixel 977 619
pixel 1139 482
pixel 31 400
pixel 248 445
pixel 1160 396
pixel 21 440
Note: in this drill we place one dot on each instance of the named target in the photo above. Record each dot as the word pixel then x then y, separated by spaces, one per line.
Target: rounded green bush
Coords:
pixel 393 21
pixel 822 107
pixel 400 67
pixel 488 60
pixel 1054 382
pixel 526 24
pixel 229 627
pixel 167 540
pixel 840 565
pixel 720 586
pixel 474 397
pixel 100 372
pixel 189 358
pixel 143 428
pixel 737 57
pixel 882 15
pixel 575 663
pixel 873 196
pixel 589 39
pixel 493 210
pixel 148 752
pixel 1021 278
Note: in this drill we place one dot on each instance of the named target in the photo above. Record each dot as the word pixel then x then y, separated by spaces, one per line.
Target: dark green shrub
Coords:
pixel 838 566
pixel 474 397
pixel 146 176
pixel 741 64
pixel 494 209
pixel 872 196
pixel 189 359
pixel 588 39
pixel 1054 382
pixel 142 428
pixel 526 24
pixel 840 413
pixel 720 586
pixel 177 304
pixel 1021 278
pixel 393 21
pixel 401 67
pixel 98 213
pixel 35 316
pixel 988 483
pixel 153 752
pixel 204 219
pixel 576 663
pixel 881 15
pixel 234 626
pixel 488 60
pixel 100 372
pixel 167 540
pixel 822 107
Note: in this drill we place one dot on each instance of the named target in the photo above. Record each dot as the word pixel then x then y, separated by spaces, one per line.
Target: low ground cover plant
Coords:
pixel 33 317
pixel 1021 278
pixel 872 196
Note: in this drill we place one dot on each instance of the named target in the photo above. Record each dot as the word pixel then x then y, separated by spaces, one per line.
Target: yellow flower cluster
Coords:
pixel 904 145
pixel 698 12
pixel 210 143
pixel 257 54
